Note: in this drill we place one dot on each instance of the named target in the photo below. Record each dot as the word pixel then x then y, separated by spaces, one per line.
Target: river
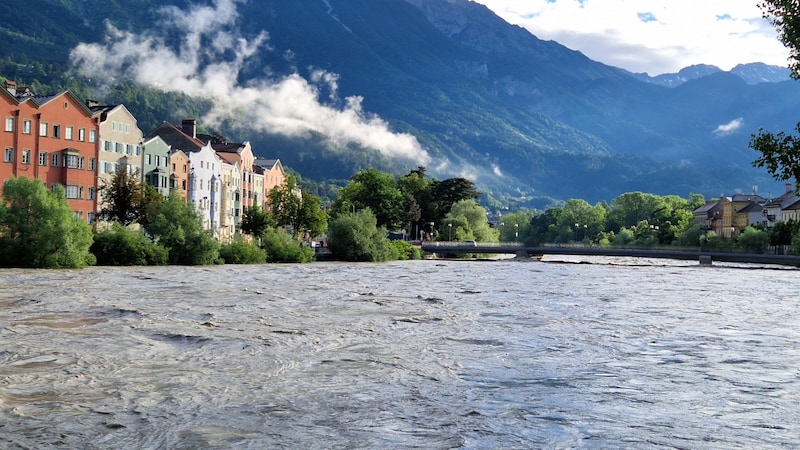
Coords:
pixel 575 353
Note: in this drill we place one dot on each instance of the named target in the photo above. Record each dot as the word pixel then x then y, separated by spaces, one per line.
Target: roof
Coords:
pixel 267 163
pixel 175 137
pixel 752 207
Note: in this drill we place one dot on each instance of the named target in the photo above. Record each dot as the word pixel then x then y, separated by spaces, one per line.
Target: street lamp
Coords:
pixel 449 231
pixel 516 232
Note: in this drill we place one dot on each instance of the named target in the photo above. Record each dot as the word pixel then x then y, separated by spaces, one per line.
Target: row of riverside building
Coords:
pixel 729 216
pixel 61 140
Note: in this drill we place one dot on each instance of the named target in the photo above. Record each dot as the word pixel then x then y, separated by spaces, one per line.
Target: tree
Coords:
pixel 177 226
pixel 293 206
pixel 123 198
pixel 514 226
pixel 418 201
pixel 785 17
pixel 356 237
pixel 468 220
pixel 123 246
pixel 780 154
pixel 255 221
pixel 38 229
pixel 377 191
pixel 450 191
pixel 630 208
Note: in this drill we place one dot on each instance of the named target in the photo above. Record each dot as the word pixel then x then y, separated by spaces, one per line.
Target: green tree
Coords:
pixel 356 237
pixel 38 229
pixel 780 154
pixel 256 221
pixel 123 198
pixel 378 191
pixel 630 208
pixel 468 220
pixel 785 17
pixel 293 206
pixel 753 240
pixel 420 209
pixel 177 226
pixel 241 251
pixel 515 226
pixel 450 191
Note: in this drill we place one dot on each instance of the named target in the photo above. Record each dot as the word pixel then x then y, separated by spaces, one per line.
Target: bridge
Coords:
pixel 521 251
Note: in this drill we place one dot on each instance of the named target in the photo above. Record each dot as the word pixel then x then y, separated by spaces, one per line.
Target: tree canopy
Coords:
pixel 38 229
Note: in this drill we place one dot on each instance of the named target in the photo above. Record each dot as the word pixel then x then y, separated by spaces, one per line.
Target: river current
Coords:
pixel 576 353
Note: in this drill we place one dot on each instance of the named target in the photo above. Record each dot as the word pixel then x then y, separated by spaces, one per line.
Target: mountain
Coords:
pixel 752 73
pixel 399 83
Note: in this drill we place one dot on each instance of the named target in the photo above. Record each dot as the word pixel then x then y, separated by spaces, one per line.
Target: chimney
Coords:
pixel 11 86
pixel 789 187
pixel 189 127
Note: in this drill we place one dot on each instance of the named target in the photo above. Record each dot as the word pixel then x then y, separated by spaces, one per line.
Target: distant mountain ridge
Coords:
pixel 523 117
pixel 752 73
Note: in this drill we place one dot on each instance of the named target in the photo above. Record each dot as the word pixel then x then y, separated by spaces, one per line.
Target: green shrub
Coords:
pixel 241 251
pixel 281 247
pixel 177 226
pixel 122 246
pixel 356 237
pixel 402 250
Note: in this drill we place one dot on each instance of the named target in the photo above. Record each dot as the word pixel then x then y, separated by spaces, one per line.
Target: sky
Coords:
pixel 652 36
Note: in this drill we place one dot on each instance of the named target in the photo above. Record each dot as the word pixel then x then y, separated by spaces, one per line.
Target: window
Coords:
pixel 68 133
pixel 92 164
pixel 90 217
pixel 119 147
pixel 138 150
pixel 109 168
pixel 26 156
pixel 158 160
pixel 72 161
pixel 108 146
pixel 91 193
pixel 43 129
pixel 147 159
pixel 55 159
pixel 56 131
pixel 73 191
pixel 92 135
pixel 81 134
pixel 128 149
pixel 9 155
pixel 9 124
pixel 43 158
pixel 26 126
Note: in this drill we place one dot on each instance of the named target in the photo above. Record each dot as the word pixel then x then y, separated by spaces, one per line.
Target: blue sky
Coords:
pixel 653 36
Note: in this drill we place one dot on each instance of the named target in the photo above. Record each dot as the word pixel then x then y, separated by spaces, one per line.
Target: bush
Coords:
pixel 403 250
pixel 177 226
pixel 356 237
pixel 38 228
pixel 122 246
pixel 281 247
pixel 241 251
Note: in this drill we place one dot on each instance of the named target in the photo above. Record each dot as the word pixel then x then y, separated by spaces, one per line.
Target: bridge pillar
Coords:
pixel 705 260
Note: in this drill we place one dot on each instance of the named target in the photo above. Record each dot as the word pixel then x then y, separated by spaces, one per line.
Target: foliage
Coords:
pixel 38 229
pixel 123 197
pixel 241 251
pixel 124 246
pixel 403 250
pixel 451 191
pixel 377 191
pixel 177 226
pixel 290 205
pixel 466 221
pixel 785 17
pixel 752 240
pixel 780 154
pixel 783 232
pixel 356 237
pixel 281 247
pixel 256 221
pixel 514 225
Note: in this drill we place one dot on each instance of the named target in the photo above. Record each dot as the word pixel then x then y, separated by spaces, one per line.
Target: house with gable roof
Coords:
pixel 156 164
pixel 239 154
pixel 52 138
pixel 273 174
pixel 772 211
pixel 120 144
pixel 204 169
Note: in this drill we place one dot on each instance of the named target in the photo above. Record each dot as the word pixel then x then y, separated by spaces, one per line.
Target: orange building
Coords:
pixel 51 138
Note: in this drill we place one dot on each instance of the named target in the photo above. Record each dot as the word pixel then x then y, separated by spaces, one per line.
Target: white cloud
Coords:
pixel 290 105
pixel 730 127
pixel 653 36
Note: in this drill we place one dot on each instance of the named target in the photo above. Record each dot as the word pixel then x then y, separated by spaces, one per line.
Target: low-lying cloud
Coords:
pixel 730 127
pixel 207 64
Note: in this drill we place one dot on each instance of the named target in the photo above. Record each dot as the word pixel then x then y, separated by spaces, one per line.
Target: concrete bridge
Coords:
pixel 521 251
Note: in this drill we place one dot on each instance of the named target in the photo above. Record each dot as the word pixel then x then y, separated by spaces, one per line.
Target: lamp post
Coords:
pixel 516 232
pixel 449 231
